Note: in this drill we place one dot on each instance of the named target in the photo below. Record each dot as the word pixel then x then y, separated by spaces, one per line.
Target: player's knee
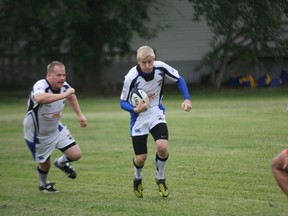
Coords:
pixel 162 148
pixel 75 156
pixel 140 159
pixel 73 153
pixel 44 166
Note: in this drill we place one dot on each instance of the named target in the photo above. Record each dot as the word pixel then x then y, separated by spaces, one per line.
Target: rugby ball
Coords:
pixel 136 95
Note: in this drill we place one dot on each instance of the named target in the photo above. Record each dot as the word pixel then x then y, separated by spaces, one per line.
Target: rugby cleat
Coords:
pixel 48 188
pixel 138 188
pixel 67 169
pixel 163 189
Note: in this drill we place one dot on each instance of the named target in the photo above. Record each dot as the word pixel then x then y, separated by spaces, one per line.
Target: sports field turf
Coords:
pixel 220 159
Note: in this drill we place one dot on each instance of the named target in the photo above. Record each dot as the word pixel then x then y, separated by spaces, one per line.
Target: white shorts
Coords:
pixel 42 147
pixel 146 121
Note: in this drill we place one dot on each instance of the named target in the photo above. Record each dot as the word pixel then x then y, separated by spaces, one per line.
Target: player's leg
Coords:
pixel 140 150
pixel 160 135
pixel 280 174
pixel 41 154
pixel 42 172
pixel 71 153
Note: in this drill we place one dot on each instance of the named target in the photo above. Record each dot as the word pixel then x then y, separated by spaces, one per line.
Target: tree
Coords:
pixel 243 31
pixel 83 32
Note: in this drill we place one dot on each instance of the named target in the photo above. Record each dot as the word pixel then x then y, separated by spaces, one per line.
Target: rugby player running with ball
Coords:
pixel 149 116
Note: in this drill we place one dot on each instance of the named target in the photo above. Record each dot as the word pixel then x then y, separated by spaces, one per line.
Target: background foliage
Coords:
pixel 244 31
pixel 84 32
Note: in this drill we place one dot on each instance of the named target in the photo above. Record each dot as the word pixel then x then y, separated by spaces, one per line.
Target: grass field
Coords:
pixel 220 159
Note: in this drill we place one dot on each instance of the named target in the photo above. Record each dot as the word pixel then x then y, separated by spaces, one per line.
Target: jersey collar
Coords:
pixel 53 91
pixel 146 76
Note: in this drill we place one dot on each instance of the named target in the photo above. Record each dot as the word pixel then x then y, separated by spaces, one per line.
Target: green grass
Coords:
pixel 220 158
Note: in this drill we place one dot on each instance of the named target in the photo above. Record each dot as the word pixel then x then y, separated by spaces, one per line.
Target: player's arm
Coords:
pixel 73 102
pixel 141 107
pixel 46 98
pixel 186 105
pixel 125 105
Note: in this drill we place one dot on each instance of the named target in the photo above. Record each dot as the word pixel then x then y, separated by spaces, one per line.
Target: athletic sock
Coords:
pixel 62 160
pixel 137 171
pixel 43 177
pixel 160 166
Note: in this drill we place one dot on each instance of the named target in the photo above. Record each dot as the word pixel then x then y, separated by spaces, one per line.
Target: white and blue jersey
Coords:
pixel 42 127
pixel 152 83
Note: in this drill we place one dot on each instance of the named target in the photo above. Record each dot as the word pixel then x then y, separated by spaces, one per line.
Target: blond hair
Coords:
pixel 145 51
pixel 50 67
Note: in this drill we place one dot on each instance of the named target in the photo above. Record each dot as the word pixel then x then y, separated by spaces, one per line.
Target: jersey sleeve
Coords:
pixel 127 85
pixel 66 85
pixel 126 89
pixel 183 88
pixel 125 105
pixel 39 87
pixel 171 73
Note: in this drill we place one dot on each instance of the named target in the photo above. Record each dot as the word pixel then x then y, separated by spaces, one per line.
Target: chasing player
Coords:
pixel 43 130
pixel 149 116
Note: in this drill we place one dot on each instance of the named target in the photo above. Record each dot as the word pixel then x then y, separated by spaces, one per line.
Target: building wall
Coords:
pixel 184 39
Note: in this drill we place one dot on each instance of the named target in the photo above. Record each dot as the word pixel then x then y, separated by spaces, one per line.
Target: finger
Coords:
pixel 83 123
pixel 187 108
pixel 183 106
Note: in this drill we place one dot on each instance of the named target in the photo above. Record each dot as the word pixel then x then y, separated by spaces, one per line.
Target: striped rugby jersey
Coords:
pixel 152 83
pixel 44 118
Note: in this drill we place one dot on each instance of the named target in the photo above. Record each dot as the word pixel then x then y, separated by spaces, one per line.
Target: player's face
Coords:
pixel 146 64
pixel 57 77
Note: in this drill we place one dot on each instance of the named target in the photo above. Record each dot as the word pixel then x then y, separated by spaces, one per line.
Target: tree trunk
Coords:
pixel 223 66
pixel 225 58
pixel 95 75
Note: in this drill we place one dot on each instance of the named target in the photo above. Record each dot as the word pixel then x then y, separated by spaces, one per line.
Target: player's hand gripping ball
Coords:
pixel 136 95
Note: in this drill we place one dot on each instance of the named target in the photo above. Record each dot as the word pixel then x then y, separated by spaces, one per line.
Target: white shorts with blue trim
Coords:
pixel 42 147
pixel 147 120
